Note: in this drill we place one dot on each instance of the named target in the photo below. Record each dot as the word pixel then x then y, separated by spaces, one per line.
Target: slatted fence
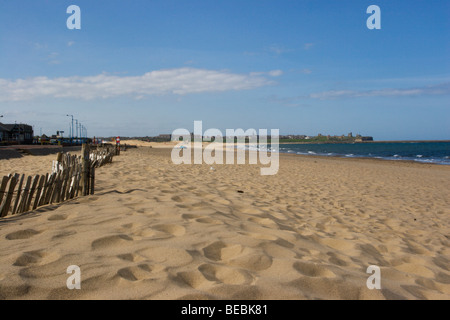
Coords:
pixel 71 176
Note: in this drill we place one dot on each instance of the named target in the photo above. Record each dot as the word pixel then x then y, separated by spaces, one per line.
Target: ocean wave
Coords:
pixel 418 153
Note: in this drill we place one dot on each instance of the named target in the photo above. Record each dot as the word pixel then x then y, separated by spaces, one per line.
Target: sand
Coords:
pixel 155 230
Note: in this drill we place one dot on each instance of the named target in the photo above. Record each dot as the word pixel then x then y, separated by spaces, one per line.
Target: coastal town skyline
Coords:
pixel 306 67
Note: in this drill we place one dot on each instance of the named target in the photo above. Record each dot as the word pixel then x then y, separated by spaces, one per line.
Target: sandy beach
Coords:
pixel 155 230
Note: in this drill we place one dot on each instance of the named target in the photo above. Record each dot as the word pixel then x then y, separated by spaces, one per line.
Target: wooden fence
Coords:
pixel 71 176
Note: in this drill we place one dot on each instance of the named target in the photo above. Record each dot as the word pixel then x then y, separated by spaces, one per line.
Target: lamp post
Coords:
pixel 79 130
pixel 1 135
pixel 71 129
pixel 81 133
pixel 85 133
pixel 76 130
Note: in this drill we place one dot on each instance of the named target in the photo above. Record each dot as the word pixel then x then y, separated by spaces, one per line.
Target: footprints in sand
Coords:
pixel 220 251
pixel 208 275
pixel 313 270
pixel 226 275
pixel 131 257
pixel 194 279
pixel 172 229
pixel 151 263
pixel 238 256
pixel 264 221
pixel 139 272
pixel 111 241
pixel 253 262
pixel 34 257
pixel 147 231
pixel 201 219
pixel 224 263
pixel 167 256
pixel 179 199
pixel 22 234
pixel 57 217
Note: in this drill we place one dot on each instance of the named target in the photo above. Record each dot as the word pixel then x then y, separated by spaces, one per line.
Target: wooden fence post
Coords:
pixel 92 178
pixel 85 166
pixel 30 197
pixel 24 196
pixel 39 191
pixel 4 208
pixel 19 193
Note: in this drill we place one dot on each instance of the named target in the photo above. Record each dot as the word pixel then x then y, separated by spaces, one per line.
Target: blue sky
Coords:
pixel 139 68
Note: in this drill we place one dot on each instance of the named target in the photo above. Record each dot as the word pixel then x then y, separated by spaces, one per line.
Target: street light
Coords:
pixel 76 130
pixel 79 132
pixel 81 135
pixel 71 132
pixel 85 132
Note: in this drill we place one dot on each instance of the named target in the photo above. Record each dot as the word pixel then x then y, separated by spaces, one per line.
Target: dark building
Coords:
pixel 16 133
pixel 362 139
pixel 165 137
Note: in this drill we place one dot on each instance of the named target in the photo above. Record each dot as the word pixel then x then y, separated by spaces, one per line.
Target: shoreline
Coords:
pixel 13 153
pixel 357 142
pixel 368 159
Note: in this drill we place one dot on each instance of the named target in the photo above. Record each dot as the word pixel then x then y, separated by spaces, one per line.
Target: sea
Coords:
pixel 426 152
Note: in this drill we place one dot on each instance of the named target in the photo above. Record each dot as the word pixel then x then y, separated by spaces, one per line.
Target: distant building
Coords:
pixel 4 132
pixel 292 137
pixel 362 139
pixel 165 137
pixel 16 133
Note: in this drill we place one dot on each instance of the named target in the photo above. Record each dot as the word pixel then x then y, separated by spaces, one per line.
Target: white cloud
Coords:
pixel 298 101
pixel 275 73
pixel 272 73
pixel 171 81
pixel 440 89
pixel 70 43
